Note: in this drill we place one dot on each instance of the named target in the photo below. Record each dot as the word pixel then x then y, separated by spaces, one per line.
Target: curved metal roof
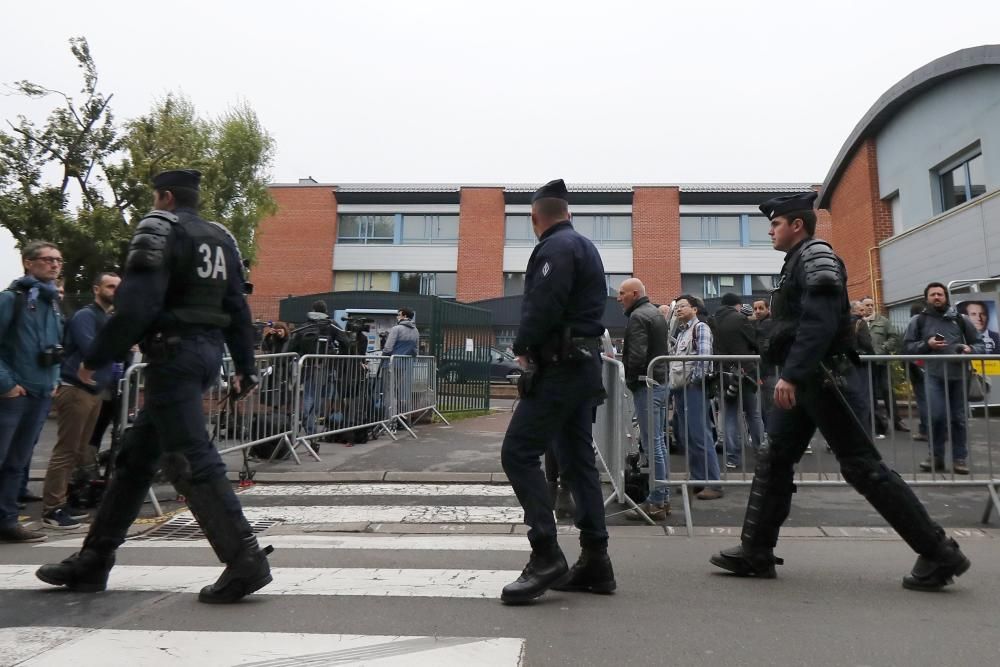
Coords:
pixel 911 86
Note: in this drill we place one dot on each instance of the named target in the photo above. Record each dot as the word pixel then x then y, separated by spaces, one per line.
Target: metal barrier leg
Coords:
pixel 156 503
pixel 441 416
pixel 688 521
pixel 993 502
pixel 402 422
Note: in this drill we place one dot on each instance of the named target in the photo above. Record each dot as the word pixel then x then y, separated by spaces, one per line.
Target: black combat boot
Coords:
pixel 85 571
pixel 232 539
pixel 592 573
pixel 745 562
pixel 546 567
pixel 936 572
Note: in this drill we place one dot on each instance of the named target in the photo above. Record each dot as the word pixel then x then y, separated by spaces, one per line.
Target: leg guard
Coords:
pixel 770 501
pixel 247 569
pixel 896 502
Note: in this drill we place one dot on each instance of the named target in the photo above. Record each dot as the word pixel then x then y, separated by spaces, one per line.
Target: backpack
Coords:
pixel 319 337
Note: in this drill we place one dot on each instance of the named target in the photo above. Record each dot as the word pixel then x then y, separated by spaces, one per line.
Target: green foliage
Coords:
pixel 107 168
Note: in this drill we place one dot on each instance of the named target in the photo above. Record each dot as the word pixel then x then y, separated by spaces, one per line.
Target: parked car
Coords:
pixel 457 365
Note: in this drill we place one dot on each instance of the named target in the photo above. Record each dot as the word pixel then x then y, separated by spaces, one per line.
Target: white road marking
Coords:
pixel 383 542
pixel 475 490
pixel 378 582
pixel 44 646
pixel 291 514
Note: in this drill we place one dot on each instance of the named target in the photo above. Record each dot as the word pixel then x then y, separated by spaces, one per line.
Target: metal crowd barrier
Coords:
pixel 612 424
pixel 690 411
pixel 412 392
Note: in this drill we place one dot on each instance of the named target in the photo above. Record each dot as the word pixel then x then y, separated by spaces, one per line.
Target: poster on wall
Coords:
pixel 981 309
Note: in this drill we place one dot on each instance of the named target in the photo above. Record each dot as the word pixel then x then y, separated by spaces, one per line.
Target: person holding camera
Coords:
pixel 276 337
pixel 183 296
pixel 30 352
pixel 940 329
pixel 77 405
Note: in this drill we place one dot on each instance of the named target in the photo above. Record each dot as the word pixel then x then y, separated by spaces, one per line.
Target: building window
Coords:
pixel 517 230
pixel 430 229
pixel 711 286
pixel 436 284
pixel 711 230
pixel 513 284
pixel 350 281
pixel 962 182
pixel 614 282
pixel 366 229
pixel 605 230
pixel 759 226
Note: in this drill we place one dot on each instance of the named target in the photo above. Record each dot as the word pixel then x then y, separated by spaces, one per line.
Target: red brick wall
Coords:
pixel 860 221
pixel 295 245
pixel 480 244
pixel 656 241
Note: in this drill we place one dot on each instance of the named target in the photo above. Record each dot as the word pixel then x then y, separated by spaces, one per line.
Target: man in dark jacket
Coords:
pixel 734 334
pixel 763 324
pixel 77 405
pixel 645 339
pixel 939 329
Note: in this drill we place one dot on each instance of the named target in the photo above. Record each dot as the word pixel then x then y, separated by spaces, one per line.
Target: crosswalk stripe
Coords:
pixel 473 490
pixel 41 646
pixel 291 514
pixel 382 542
pixel 380 582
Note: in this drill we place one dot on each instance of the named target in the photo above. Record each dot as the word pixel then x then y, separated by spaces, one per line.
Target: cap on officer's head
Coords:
pixel 553 189
pixel 772 208
pixel 177 178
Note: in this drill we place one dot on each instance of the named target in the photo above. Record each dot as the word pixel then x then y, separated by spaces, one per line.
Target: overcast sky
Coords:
pixel 506 91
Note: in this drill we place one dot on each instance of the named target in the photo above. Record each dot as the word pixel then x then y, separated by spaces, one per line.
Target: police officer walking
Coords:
pixel 181 297
pixel 558 345
pixel 821 386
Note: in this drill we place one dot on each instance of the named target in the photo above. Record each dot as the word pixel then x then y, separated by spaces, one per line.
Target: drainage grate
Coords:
pixel 186 528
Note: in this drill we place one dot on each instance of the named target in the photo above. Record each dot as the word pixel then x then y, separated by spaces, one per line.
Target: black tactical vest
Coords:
pixel 202 263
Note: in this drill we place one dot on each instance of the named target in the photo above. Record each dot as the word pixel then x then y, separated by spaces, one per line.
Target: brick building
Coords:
pixel 472 242
pixel 914 194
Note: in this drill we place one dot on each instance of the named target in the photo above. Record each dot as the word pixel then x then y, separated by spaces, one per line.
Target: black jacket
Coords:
pixel 645 339
pixel 733 334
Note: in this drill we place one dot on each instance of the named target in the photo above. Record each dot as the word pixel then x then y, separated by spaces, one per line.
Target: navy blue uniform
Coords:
pixel 564 298
pixel 812 341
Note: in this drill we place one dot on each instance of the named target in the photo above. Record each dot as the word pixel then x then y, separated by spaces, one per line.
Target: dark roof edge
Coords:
pixel 912 85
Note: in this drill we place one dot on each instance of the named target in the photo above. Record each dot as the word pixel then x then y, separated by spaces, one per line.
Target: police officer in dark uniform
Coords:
pixel 821 386
pixel 181 298
pixel 558 343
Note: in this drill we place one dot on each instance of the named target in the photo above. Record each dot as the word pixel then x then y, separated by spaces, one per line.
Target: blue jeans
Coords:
pixel 692 425
pixel 940 406
pixel 21 421
pixel 659 494
pixel 745 402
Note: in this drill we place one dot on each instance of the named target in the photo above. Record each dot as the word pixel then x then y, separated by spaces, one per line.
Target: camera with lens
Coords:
pixel 357 325
pixel 53 355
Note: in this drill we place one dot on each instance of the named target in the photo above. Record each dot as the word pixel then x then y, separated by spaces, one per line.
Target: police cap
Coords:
pixel 788 204
pixel 177 178
pixel 555 189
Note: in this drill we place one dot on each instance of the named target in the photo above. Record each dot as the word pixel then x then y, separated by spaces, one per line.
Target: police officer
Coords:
pixel 181 297
pixel 820 386
pixel 558 343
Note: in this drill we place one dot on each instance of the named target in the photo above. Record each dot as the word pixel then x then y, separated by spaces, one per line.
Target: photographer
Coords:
pixel 402 342
pixel 30 352
pixel 77 405
pixel 276 336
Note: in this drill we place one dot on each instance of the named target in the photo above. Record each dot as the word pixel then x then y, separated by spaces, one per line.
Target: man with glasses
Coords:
pixel 30 352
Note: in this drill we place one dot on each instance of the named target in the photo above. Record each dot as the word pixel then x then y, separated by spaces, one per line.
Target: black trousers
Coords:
pixel 841 420
pixel 560 412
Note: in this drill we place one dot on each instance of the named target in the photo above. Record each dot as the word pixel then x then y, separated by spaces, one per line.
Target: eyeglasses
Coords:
pixel 49 260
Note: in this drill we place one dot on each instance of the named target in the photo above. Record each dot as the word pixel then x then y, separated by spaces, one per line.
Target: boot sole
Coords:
pixel 912 585
pixel 603 588
pixel 741 569
pixel 70 586
pixel 245 590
